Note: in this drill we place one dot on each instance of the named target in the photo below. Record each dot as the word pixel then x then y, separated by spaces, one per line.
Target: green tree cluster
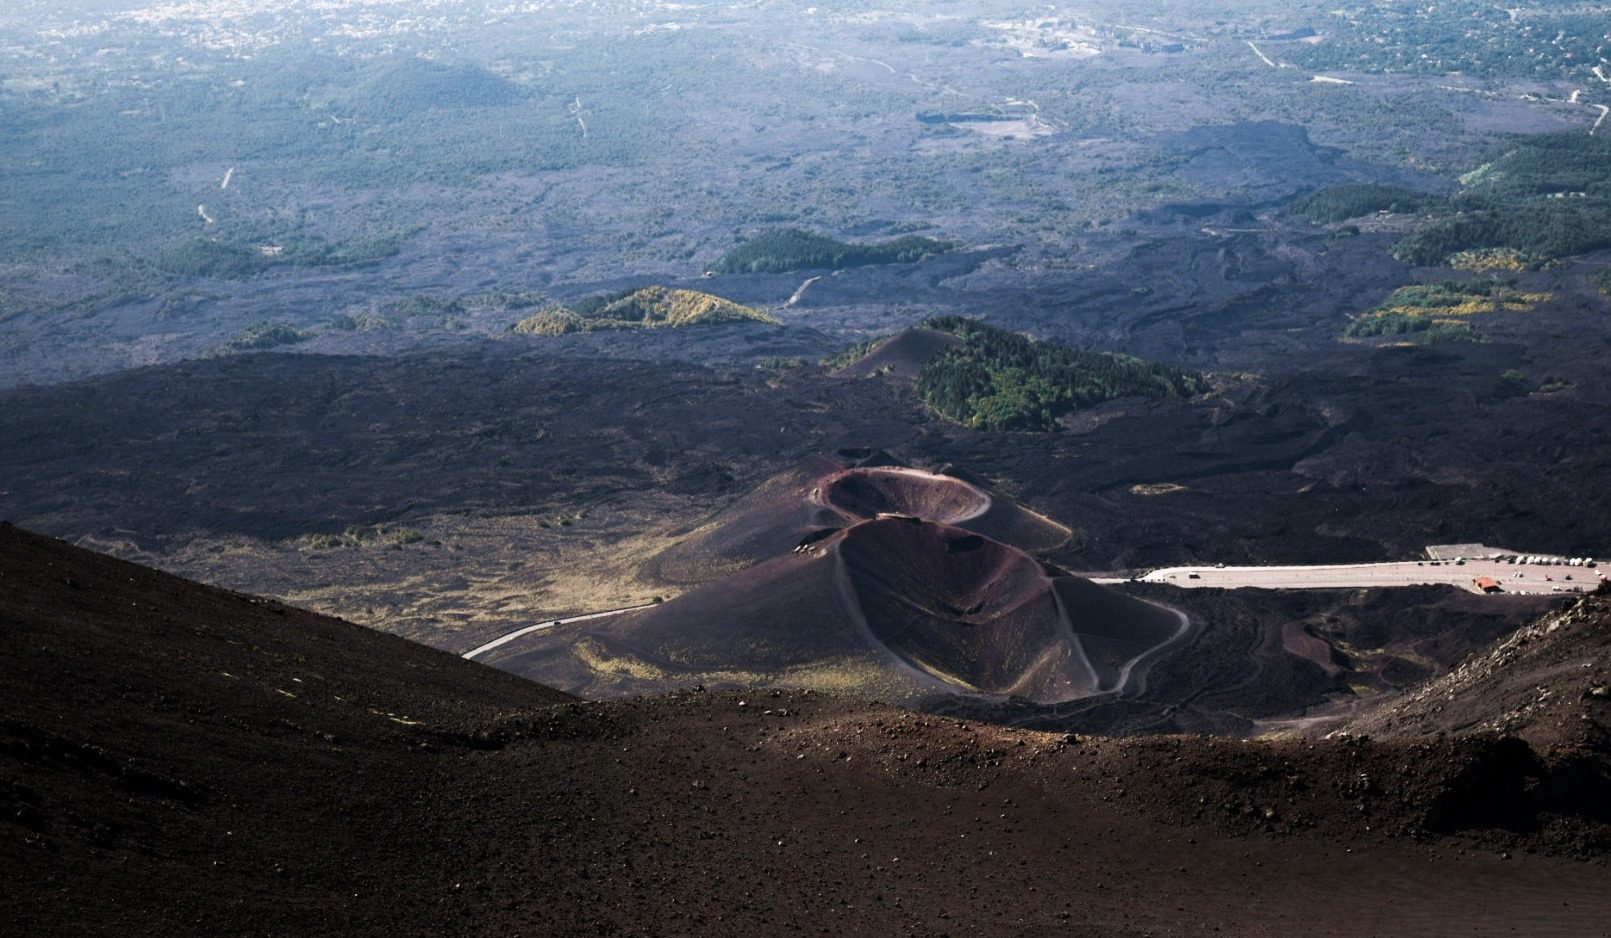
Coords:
pixel 1419 329
pixel 779 250
pixel 1000 380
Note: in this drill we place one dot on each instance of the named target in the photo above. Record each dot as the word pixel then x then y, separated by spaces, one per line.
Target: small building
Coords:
pixel 1486 584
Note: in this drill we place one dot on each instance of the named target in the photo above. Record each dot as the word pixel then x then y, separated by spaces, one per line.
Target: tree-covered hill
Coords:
pixel 1000 380
pixel 1543 197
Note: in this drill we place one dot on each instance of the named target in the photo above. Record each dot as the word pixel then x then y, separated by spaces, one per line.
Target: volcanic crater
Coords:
pixel 868 492
pixel 821 494
pixel 874 578
pixel 978 614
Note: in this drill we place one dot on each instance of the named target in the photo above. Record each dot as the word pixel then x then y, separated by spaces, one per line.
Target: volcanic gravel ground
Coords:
pixel 1256 655
pixel 180 760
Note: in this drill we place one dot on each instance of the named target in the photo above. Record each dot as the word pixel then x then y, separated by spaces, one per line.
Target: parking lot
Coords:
pixel 1530 576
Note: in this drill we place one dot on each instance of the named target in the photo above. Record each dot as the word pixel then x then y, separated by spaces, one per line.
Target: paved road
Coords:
pixel 502 639
pixel 1525 579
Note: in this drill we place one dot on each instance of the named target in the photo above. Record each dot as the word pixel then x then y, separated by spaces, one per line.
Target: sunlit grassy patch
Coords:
pixel 1437 312
pixel 601 661
pixel 1486 260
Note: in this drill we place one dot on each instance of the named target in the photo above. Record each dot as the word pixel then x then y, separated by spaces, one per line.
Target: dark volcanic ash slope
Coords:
pixel 1545 691
pixel 969 610
pixel 1274 661
pixel 1548 683
pixel 176 760
pixel 893 607
pixel 781 622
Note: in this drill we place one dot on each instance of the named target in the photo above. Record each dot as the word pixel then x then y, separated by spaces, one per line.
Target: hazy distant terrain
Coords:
pixel 380 176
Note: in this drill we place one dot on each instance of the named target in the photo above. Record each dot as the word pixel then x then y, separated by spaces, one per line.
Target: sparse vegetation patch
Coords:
pixel 854 354
pixel 1425 313
pixel 266 335
pixel 646 308
pixel 378 535
pixel 1489 260
pixel 1601 279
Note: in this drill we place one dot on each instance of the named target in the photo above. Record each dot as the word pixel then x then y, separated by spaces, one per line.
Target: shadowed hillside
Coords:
pixel 987 617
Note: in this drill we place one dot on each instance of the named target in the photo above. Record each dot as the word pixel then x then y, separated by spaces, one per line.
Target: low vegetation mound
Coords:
pixel 1000 380
pixel 646 308
pixel 784 249
pixel 412 85
pixel 265 335
pixel 247 250
pixel 1340 203
pixel 1419 330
